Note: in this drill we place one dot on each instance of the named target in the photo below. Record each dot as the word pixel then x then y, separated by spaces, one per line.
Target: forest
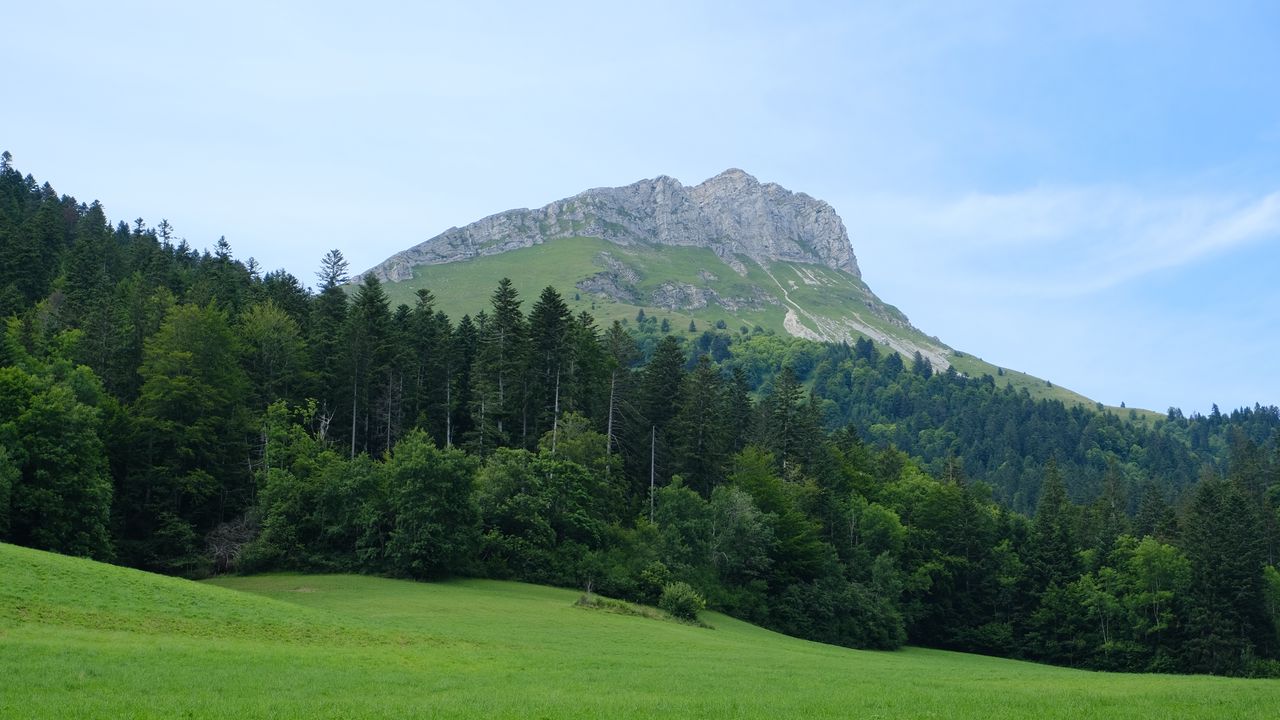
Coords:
pixel 185 412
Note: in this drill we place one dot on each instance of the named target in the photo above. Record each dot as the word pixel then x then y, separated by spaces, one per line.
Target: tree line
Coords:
pixel 184 412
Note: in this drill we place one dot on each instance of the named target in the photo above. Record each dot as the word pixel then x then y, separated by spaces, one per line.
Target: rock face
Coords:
pixel 732 214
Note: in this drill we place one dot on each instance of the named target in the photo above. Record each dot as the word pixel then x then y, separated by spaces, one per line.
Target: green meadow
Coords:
pixel 80 639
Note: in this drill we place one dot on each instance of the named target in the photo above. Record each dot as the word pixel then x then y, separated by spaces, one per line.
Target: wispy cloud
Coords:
pixel 1072 241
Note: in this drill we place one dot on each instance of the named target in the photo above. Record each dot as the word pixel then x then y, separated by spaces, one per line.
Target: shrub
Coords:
pixel 682 601
pixel 653 580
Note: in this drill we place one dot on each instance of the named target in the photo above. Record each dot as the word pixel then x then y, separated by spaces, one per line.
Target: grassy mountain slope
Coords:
pixel 83 639
pixel 822 302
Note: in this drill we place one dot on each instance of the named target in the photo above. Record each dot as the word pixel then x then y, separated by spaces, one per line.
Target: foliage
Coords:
pixel 180 411
pixel 433 519
pixel 682 601
pixel 55 491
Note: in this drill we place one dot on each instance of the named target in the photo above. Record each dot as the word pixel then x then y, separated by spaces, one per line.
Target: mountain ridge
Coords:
pixel 779 259
pixel 731 213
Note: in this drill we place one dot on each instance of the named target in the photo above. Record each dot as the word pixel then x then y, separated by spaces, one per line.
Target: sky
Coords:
pixel 1089 193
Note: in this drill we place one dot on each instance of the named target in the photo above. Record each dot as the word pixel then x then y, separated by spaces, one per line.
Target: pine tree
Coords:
pixel 433 368
pixel 397 399
pixel 30 248
pixel 921 366
pixel 584 389
pixel 87 284
pixel 1155 517
pixel 463 344
pixel 789 427
pixel 499 405
pixel 1227 625
pixel 228 280
pixel 369 346
pixel 739 411
pixel 550 358
pixel 327 346
pixel 289 295
pixel 660 384
pixel 701 434
pixel 1052 552
pixel 620 352
pixel 1109 511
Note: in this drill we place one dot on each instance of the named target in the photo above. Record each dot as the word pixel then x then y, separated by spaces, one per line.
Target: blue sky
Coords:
pixel 1088 193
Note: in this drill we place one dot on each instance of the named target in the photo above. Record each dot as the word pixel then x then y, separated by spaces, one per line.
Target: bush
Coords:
pixel 682 601
pixel 653 580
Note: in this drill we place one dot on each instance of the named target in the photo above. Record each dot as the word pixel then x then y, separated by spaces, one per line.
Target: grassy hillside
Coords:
pixel 465 287
pixel 821 295
pixel 81 639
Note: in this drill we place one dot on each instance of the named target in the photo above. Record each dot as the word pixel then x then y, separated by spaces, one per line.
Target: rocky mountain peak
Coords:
pixel 732 176
pixel 733 214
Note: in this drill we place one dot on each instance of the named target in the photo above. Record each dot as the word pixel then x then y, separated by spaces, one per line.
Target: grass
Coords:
pixel 84 640
pixel 465 287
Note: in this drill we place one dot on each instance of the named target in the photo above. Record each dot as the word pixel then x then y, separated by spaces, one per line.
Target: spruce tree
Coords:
pixel 87 285
pixel 369 347
pixel 1052 552
pixel 463 345
pixel 788 427
pixel 1227 625
pixel 701 432
pixel 499 402
pixel 432 368
pixel 327 346
pixel 550 358
pixel 660 384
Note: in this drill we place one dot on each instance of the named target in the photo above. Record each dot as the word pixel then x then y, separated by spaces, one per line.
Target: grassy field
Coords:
pixel 84 640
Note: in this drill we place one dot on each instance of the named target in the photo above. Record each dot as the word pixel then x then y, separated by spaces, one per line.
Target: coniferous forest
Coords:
pixel 186 412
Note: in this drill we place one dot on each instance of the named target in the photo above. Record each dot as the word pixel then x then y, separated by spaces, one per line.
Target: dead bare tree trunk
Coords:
pixel 390 402
pixel 555 416
pixel 448 410
pixel 354 393
pixel 608 430
pixel 653 444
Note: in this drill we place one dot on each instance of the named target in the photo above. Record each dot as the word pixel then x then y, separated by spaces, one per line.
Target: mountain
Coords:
pixel 731 252
pixel 730 249
pixel 733 214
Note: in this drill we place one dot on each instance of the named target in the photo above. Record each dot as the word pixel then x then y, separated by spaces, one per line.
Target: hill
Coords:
pixel 83 639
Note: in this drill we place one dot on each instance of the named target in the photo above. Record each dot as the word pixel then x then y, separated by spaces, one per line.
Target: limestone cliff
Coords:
pixel 733 214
